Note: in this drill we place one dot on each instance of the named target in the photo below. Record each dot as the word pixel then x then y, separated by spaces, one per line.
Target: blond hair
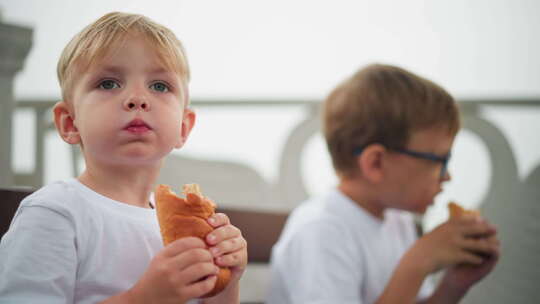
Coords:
pixel 96 40
pixel 382 104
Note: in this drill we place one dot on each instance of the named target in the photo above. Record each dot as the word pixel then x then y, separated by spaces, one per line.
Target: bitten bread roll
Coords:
pixel 179 218
pixel 458 211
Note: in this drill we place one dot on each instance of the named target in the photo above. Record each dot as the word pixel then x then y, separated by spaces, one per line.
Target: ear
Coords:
pixel 188 121
pixel 370 162
pixel 64 121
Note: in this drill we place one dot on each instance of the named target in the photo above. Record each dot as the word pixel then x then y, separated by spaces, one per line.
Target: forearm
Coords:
pixel 403 287
pixel 406 280
pixel 126 297
pixel 231 295
pixel 446 293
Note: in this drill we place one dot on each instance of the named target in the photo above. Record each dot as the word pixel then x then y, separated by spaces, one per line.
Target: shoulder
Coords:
pixel 41 244
pixel 316 224
pixel 316 213
pixel 316 257
pixel 61 197
pixel 43 215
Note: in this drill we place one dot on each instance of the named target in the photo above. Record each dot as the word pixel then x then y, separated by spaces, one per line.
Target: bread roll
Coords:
pixel 179 218
pixel 456 210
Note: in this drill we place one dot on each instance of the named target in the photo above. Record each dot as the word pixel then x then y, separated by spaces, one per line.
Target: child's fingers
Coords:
pixel 477 228
pixel 477 231
pixel 182 245
pixel 238 258
pixel 469 258
pixel 464 220
pixel 190 257
pixel 219 219
pixel 228 246
pixel 495 244
pixel 493 240
pixel 199 288
pixel 222 233
pixel 197 272
pixel 482 246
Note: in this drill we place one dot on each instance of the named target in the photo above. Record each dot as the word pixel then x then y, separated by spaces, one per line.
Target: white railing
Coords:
pixel 289 182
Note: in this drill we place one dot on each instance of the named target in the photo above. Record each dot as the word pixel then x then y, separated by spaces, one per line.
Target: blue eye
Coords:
pixel 108 84
pixel 160 87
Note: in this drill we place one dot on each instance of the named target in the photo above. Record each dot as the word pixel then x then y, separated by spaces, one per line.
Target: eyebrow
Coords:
pixel 110 69
pixel 161 71
pixel 119 70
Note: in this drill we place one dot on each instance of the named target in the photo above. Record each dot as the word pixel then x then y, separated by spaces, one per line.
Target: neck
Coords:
pixel 130 185
pixel 363 194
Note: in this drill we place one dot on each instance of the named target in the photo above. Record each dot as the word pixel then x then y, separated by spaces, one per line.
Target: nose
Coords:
pixel 446 177
pixel 136 102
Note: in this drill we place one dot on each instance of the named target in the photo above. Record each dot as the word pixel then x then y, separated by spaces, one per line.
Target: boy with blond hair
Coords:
pixel 96 239
pixel 389 133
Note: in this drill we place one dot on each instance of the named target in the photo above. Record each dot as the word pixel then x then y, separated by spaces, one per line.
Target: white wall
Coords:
pixel 289 49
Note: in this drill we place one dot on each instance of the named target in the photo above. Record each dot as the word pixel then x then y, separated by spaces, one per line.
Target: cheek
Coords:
pixel 172 119
pixel 172 123
pixel 418 189
pixel 170 107
pixel 96 122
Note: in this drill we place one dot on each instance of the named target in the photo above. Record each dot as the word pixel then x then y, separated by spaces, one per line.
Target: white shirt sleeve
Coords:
pixel 322 266
pixel 38 261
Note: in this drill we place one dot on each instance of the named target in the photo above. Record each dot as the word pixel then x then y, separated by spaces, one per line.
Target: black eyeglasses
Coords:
pixel 423 155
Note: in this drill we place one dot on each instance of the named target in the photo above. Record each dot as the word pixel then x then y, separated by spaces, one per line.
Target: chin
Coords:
pixel 420 210
pixel 425 208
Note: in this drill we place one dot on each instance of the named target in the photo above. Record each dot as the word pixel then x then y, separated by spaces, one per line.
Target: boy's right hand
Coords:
pixel 182 270
pixel 465 240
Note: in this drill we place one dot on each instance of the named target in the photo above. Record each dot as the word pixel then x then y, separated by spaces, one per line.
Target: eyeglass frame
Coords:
pixel 417 154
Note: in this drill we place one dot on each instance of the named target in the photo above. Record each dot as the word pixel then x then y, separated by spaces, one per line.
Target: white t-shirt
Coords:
pixel 69 244
pixel 332 251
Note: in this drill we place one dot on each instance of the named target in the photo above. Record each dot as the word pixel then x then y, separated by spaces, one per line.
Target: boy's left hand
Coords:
pixel 227 245
pixel 463 276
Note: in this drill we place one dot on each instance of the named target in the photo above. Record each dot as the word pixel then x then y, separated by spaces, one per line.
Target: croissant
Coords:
pixel 457 211
pixel 179 218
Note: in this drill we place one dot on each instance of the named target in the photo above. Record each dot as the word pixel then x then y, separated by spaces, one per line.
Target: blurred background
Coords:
pixel 259 71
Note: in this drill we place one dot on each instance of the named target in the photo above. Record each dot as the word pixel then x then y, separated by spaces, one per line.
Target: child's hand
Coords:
pixel 464 240
pixel 229 249
pixel 182 270
pixel 227 245
pixel 464 276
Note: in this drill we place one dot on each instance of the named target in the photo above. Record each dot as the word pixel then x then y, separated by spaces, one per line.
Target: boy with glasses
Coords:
pixel 389 133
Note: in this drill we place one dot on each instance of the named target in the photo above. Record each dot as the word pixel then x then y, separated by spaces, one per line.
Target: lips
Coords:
pixel 137 126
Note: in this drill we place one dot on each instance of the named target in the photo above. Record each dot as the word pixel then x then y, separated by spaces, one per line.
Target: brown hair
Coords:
pixel 382 104
pixel 96 39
